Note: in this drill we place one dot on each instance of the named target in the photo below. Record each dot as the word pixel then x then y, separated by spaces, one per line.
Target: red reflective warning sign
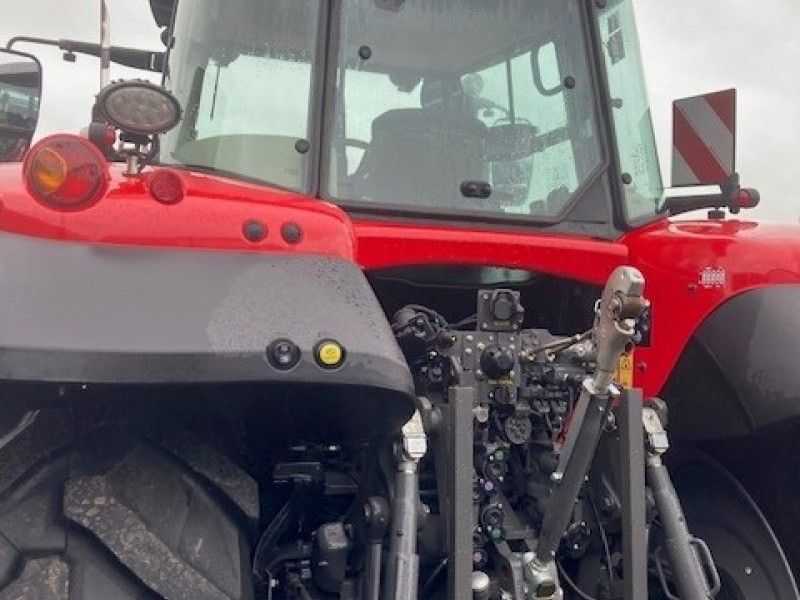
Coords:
pixel 704 139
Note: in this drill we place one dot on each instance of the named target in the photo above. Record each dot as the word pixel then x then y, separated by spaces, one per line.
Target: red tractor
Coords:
pixel 347 308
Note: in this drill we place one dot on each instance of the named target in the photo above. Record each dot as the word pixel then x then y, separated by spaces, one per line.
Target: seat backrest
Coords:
pixel 420 157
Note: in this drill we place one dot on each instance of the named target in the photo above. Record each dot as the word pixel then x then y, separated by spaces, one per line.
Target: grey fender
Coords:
pixel 741 371
pixel 117 319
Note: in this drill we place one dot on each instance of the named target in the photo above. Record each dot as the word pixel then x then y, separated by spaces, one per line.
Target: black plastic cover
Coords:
pixel 740 373
pixel 123 316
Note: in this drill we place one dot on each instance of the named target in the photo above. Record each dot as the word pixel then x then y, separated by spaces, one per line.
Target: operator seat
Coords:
pixel 420 156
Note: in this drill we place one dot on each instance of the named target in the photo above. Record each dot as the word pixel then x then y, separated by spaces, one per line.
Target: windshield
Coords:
pixel 470 106
pixel 435 99
pixel 242 70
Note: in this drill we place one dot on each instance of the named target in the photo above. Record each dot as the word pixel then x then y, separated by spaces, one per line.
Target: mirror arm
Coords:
pixel 129 57
pixel 30 40
pixel 676 205
pixel 729 197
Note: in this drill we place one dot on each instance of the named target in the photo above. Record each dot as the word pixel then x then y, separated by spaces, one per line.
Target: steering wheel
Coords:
pixel 360 144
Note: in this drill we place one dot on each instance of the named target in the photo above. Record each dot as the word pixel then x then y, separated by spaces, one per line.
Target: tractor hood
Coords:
pixel 78 316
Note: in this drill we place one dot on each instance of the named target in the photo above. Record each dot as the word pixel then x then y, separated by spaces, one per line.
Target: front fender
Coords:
pixel 693 268
pixel 741 371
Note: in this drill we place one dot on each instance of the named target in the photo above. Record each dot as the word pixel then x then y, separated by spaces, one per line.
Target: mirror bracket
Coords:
pixel 732 197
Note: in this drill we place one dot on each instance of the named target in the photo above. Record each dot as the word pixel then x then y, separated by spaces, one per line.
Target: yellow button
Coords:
pixel 330 354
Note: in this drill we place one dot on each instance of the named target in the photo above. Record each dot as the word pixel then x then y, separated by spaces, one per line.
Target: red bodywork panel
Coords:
pixel 212 215
pixel 672 256
pixel 736 256
pixel 383 245
pixel 691 267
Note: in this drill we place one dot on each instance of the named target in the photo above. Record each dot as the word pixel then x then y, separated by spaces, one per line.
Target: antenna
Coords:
pixel 105 45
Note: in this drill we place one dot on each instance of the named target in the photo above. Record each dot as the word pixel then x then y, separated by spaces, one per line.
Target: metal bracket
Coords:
pixel 415 442
pixel 620 306
pixel 632 490
pixel 656 436
pixel 455 449
pixel 542 579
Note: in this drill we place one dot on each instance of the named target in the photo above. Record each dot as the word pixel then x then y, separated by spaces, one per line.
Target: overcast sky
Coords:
pixel 689 46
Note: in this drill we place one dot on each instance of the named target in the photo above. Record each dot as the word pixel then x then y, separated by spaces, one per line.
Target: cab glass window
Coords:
pixel 432 96
pixel 633 125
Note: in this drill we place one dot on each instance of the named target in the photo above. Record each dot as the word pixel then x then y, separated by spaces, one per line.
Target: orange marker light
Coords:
pixel 49 171
pixel 66 172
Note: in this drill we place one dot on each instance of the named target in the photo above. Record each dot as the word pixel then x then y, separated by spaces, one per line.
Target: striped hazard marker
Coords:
pixel 704 139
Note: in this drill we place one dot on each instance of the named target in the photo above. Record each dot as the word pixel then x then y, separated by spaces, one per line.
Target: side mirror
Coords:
pixel 20 95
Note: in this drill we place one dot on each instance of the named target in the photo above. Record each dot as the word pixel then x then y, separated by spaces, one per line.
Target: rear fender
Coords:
pixel 116 318
pixel 740 372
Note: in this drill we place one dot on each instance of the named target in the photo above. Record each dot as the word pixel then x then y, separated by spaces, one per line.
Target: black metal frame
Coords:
pixel 621 219
pixel 630 457
pixel 455 447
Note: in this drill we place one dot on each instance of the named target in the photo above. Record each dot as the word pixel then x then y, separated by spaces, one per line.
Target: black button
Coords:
pixel 292 233
pixel 497 362
pixel 283 354
pixel 254 231
pixel 503 308
pixel 302 146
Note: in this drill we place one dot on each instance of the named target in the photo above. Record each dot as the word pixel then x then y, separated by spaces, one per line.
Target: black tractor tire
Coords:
pixel 748 556
pixel 116 517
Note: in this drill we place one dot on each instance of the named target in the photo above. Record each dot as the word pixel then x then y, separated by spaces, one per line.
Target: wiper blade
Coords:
pixel 212 170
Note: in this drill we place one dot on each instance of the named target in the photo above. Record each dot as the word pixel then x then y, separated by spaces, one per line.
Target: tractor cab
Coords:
pixel 523 113
pixel 491 110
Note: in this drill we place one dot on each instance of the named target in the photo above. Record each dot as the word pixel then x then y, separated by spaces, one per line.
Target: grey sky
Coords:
pixel 689 46
pixel 697 46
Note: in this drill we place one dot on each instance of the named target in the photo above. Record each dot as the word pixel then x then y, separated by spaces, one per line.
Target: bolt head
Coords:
pixel 254 231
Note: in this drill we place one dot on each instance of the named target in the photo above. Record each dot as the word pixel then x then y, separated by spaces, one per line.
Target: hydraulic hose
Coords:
pixel 690 578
